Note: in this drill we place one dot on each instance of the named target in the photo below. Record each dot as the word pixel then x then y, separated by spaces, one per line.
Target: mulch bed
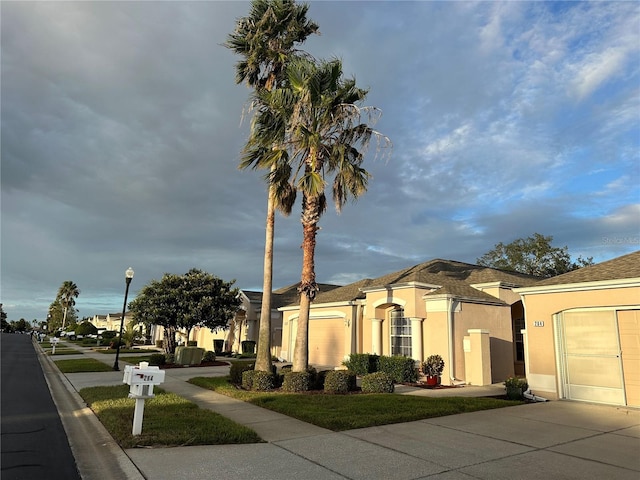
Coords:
pixel 167 366
pixel 430 387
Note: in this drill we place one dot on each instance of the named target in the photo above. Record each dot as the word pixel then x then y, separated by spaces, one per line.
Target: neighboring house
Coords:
pixel 438 307
pixel 583 333
pixel 246 323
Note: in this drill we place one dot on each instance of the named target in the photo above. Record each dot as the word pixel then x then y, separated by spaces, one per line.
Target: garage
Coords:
pixel 326 341
pixel 599 355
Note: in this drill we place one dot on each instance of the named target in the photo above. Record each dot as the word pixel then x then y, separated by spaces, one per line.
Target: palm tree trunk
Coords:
pixel 308 289
pixel 64 318
pixel 263 354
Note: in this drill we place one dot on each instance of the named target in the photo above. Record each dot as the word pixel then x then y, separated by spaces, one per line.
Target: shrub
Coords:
pixel 362 363
pixel 108 334
pixel 377 382
pixel 157 359
pixel 114 343
pixel 433 366
pixel 515 387
pixel 236 370
pixel 401 369
pixel 88 341
pixel 339 381
pixel 209 356
pixel 170 358
pixel 257 380
pixel 159 343
pixel 86 328
pixel 248 346
pixel 296 381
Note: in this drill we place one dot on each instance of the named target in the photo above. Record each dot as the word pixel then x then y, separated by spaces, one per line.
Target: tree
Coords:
pixel 4 325
pixel 324 133
pixel 67 294
pixel 56 314
pixel 86 328
pixel 266 39
pixel 533 256
pixel 195 299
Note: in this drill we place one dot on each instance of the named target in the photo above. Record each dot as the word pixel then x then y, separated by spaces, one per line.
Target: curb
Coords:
pixel 97 455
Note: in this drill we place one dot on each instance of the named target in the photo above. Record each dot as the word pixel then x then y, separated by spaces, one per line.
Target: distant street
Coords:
pixel 34 444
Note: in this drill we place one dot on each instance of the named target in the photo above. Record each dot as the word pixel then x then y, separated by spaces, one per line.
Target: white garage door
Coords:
pixel 590 357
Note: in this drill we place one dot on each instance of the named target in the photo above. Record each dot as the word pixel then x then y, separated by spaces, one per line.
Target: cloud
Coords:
pixel 121 133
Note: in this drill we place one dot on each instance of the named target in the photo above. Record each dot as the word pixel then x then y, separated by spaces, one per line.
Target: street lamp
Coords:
pixel 128 275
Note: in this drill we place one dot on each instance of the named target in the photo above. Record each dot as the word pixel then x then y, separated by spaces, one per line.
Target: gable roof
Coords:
pixel 626 266
pixel 446 277
pixel 286 295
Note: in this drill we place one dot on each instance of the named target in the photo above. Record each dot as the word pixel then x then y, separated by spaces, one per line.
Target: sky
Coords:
pixel 122 127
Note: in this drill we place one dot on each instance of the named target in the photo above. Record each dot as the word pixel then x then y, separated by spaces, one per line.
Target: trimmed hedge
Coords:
pixel 236 370
pixel 377 382
pixel 209 356
pixel 157 359
pixel 296 381
pixel 401 369
pixel 257 380
pixel 339 381
pixel 362 363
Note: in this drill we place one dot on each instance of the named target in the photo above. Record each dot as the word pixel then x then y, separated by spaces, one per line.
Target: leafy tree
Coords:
pixel 265 39
pixel 56 314
pixel 195 299
pixel 67 294
pixel 4 325
pixel 533 256
pixel 86 328
pixel 20 326
pixel 322 132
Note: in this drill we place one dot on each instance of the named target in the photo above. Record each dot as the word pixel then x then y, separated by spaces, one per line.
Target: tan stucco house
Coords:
pixel 582 334
pixel 466 313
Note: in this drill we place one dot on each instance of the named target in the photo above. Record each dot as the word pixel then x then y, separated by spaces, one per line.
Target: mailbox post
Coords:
pixel 141 379
pixel 54 342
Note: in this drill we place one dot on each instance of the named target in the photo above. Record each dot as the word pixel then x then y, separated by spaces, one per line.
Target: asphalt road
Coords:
pixel 33 443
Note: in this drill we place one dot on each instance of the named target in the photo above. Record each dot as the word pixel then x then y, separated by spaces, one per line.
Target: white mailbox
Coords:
pixel 141 379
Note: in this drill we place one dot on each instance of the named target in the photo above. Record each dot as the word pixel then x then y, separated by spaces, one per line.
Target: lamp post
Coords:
pixel 128 275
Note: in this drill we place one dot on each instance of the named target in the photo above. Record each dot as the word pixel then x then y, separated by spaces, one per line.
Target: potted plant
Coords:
pixel 432 368
pixel 515 387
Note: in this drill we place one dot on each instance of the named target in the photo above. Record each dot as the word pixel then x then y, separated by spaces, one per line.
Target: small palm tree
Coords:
pixel 319 135
pixel 67 293
pixel 266 39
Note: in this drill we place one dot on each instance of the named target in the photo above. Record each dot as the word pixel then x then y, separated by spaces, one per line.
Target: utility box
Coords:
pixel 189 355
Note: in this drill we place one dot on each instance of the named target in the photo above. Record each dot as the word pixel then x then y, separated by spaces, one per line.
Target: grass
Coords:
pixel 82 365
pixel 169 420
pixel 136 359
pixel 124 350
pixel 63 351
pixel 346 412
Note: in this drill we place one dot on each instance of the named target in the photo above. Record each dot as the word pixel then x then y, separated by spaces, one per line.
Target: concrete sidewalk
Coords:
pixel 559 440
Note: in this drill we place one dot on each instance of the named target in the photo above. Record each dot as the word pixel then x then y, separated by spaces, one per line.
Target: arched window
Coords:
pixel 400 333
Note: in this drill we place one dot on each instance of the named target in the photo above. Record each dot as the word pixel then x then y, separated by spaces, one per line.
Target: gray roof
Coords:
pixel 627 266
pixel 286 295
pixel 452 277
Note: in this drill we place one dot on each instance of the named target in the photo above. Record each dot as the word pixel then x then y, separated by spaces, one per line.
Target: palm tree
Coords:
pixel 67 293
pixel 316 119
pixel 266 39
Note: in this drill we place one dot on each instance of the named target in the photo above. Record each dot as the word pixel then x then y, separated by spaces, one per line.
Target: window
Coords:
pixel 400 333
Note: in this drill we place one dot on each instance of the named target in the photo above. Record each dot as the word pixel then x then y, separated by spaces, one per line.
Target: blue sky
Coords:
pixel 121 132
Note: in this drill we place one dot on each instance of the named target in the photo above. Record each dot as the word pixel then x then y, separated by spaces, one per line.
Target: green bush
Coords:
pixel 88 341
pixel 170 358
pixel 362 363
pixel 401 369
pixel 209 356
pixel 86 328
pixel 114 343
pixel 235 372
pixel 257 380
pixel 296 381
pixel 157 359
pixel 339 381
pixel 248 347
pixel 377 382
pixel 108 335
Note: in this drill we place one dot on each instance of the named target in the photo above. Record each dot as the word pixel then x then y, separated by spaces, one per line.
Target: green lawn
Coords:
pixel 346 412
pixel 63 351
pixel 169 420
pixel 82 365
